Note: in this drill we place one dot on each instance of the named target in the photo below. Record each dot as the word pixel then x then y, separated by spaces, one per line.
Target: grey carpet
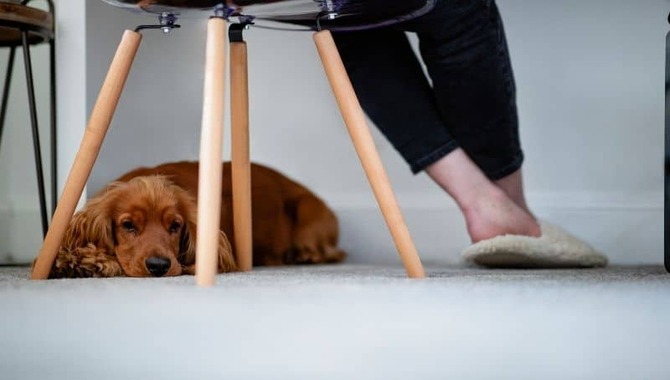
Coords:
pixel 341 322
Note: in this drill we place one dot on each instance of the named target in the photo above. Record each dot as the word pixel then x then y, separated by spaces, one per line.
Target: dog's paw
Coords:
pixel 314 255
pixel 67 266
pixel 85 262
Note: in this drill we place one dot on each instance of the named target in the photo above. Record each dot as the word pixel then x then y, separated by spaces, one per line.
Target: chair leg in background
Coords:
pixel 37 148
pixel 211 141
pixel 354 118
pixel 5 91
pixel 241 163
pixel 101 118
pixel 53 130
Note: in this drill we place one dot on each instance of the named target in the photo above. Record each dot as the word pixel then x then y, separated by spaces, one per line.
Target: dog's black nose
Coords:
pixel 157 265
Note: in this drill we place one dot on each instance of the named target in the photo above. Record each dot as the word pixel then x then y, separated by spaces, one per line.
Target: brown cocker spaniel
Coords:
pixel 144 224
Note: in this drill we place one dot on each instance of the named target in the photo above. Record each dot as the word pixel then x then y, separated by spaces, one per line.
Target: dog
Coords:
pixel 144 224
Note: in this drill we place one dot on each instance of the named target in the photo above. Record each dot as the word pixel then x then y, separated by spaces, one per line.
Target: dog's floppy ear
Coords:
pixel 87 249
pixel 225 254
pixel 92 226
pixel 189 209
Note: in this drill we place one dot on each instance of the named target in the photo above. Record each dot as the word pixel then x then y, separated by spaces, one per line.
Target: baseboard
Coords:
pixel 628 228
pixel 20 234
pixel 5 244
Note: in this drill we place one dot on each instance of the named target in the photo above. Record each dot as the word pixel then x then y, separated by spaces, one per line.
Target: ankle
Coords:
pixel 480 200
pixel 495 214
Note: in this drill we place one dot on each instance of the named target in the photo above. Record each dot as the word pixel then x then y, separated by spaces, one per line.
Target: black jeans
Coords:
pixel 471 102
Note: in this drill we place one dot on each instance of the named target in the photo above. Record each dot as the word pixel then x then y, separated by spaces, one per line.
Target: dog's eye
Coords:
pixel 175 227
pixel 128 226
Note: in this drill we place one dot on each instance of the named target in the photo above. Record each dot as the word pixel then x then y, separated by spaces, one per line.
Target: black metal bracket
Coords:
pixel 223 11
pixel 325 15
pixel 235 31
pixel 167 22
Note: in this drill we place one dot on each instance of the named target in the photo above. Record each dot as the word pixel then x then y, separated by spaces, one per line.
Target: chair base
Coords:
pixel 210 153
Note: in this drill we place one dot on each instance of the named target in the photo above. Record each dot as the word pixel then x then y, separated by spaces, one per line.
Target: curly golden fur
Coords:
pixel 144 224
pixel 128 222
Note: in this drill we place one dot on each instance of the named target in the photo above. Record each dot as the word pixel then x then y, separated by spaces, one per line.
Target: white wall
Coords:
pixel 590 80
pixel 20 223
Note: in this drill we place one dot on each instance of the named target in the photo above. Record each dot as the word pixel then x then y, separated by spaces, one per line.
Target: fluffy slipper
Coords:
pixel 555 248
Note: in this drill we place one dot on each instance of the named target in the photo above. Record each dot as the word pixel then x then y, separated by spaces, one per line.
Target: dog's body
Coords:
pixel 144 224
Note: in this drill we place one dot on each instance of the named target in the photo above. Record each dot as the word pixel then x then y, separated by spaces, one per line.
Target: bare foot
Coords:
pixel 496 214
pixel 488 209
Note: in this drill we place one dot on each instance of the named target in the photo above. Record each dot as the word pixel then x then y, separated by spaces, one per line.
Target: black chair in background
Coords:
pixel 24 26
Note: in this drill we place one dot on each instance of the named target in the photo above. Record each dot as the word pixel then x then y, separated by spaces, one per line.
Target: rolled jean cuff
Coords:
pixel 506 170
pixel 422 163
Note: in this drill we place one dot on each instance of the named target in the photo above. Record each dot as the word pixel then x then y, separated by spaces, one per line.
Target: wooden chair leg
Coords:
pixel 101 118
pixel 354 119
pixel 241 164
pixel 211 141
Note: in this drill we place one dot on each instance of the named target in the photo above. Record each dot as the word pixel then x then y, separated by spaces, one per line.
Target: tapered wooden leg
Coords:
pixel 211 140
pixel 354 118
pixel 99 122
pixel 241 164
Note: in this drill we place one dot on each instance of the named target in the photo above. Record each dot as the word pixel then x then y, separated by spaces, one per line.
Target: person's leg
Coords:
pixel 512 185
pixel 395 93
pixel 487 208
pixel 464 48
pixel 462 43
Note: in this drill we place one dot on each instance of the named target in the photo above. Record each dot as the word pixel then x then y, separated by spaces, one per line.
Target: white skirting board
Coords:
pixel 628 229
pixel 20 234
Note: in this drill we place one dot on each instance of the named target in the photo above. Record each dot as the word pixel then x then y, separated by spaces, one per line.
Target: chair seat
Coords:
pixel 16 17
pixel 350 14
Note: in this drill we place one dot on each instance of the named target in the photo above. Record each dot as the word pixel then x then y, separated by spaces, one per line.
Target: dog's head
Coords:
pixel 148 224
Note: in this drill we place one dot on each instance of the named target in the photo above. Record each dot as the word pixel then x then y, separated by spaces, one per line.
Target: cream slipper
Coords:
pixel 556 248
